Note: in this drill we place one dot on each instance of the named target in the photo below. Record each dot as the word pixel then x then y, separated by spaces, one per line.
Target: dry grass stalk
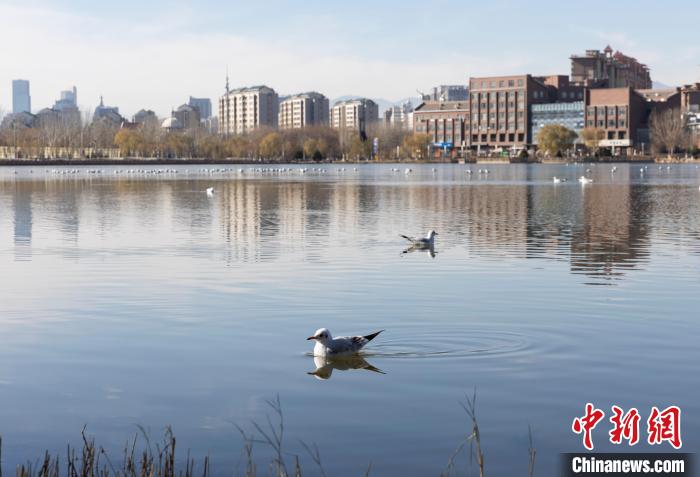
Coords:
pixel 143 461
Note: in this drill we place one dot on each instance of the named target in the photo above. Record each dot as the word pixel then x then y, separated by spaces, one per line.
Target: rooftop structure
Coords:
pixel 453 92
pixel 609 70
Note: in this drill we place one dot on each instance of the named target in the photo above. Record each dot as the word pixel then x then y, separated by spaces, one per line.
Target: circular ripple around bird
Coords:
pixel 466 343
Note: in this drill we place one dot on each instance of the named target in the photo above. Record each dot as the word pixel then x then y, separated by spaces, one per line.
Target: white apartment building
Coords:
pixel 302 110
pixel 400 116
pixel 246 109
pixel 354 114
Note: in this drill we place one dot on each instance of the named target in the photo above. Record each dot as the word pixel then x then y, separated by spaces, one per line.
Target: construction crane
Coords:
pixel 423 96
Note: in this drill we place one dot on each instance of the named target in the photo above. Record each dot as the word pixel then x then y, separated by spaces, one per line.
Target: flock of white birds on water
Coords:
pixel 203 170
pixel 291 171
pixel 584 179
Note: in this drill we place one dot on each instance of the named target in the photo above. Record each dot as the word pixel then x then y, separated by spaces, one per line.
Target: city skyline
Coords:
pixel 156 55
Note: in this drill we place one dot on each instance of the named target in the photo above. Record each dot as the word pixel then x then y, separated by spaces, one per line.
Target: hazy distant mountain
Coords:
pixel 383 104
pixel 658 85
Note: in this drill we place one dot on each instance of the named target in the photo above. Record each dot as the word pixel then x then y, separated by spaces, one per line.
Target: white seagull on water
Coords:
pixel 210 191
pixel 326 345
pixel 427 241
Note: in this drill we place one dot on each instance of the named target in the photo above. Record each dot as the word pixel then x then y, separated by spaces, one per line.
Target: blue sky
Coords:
pixel 154 54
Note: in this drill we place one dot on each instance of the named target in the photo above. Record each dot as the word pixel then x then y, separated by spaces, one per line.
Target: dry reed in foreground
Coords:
pixel 143 458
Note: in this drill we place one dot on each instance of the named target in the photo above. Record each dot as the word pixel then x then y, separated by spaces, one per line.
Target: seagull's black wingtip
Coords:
pixel 372 336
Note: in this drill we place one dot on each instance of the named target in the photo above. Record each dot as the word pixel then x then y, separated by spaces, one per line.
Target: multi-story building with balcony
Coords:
pixel 245 109
pixel 303 110
pixel 354 114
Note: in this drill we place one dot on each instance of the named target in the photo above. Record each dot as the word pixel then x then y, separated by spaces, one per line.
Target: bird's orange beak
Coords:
pixel 310 338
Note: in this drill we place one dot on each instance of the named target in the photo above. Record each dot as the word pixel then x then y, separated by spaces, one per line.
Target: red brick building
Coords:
pixel 621 112
pixel 561 90
pixel 497 114
pixel 446 122
pixel 500 107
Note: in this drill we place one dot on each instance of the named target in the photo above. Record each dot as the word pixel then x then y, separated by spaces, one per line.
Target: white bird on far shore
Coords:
pixel 327 345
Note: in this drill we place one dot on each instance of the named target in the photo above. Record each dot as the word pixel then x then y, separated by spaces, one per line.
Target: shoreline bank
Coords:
pixel 134 161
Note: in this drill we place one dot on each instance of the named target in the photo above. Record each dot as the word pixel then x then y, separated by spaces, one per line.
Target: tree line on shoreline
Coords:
pixel 150 140
pixel 667 130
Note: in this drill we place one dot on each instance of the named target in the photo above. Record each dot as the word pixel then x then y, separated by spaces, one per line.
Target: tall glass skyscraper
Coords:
pixel 21 100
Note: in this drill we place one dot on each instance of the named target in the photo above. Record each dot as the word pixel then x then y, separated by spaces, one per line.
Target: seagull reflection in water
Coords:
pixel 421 248
pixel 326 365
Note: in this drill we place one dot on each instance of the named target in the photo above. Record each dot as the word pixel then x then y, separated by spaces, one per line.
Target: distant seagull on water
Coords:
pixel 326 345
pixel 585 180
pixel 427 241
pixel 210 191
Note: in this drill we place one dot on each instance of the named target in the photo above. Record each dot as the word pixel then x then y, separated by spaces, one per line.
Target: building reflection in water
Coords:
pixel 603 231
pixel 613 236
pixel 22 207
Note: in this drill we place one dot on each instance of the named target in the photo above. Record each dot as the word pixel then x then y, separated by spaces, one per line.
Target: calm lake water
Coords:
pixel 136 299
